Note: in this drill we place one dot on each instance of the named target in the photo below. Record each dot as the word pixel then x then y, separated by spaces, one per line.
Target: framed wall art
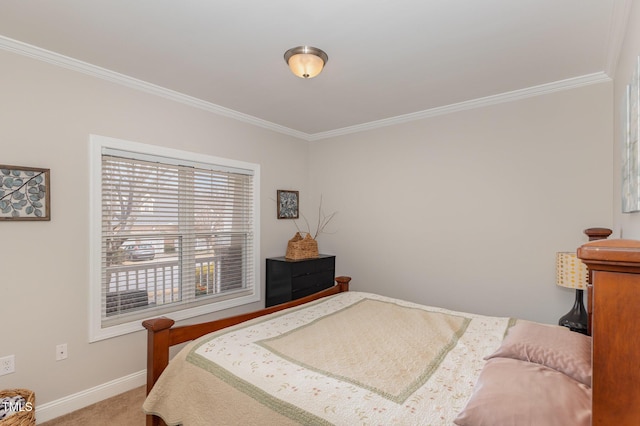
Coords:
pixel 24 193
pixel 631 145
pixel 288 204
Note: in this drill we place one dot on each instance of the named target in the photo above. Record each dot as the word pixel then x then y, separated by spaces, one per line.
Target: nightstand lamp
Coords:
pixel 572 273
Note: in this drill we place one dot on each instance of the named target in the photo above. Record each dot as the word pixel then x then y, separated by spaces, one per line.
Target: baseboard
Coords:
pixel 66 405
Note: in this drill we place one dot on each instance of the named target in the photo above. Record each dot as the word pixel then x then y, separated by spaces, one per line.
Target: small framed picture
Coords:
pixel 24 193
pixel 287 204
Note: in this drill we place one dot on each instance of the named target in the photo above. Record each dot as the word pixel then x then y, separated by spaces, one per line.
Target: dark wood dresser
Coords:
pixel 292 279
pixel 615 265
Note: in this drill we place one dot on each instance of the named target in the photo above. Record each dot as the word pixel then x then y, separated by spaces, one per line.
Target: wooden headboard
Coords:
pixel 615 269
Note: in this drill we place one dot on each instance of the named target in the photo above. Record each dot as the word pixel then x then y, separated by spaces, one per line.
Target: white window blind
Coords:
pixel 175 234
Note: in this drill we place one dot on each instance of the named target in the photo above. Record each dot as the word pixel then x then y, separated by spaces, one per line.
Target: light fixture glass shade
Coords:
pixel 305 61
pixel 571 271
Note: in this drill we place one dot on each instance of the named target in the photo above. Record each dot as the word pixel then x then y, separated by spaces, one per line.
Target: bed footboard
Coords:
pixel 161 334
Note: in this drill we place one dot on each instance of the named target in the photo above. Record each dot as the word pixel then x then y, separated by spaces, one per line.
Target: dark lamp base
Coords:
pixel 576 319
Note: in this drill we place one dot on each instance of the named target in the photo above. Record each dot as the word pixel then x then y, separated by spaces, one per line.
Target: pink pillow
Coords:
pixel 512 392
pixel 553 346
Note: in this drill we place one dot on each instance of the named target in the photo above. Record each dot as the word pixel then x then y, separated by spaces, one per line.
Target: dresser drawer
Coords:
pixel 309 290
pixel 306 267
pixel 315 282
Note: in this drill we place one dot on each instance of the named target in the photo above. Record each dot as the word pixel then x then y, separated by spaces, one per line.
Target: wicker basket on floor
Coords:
pixel 25 417
pixel 301 248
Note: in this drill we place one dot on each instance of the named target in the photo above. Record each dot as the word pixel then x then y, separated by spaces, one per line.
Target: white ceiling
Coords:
pixel 389 60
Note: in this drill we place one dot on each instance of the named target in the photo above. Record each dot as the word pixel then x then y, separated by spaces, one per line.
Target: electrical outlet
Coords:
pixel 61 352
pixel 7 365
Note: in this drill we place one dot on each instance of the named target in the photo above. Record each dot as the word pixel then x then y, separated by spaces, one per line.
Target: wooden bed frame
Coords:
pixel 614 306
pixel 161 334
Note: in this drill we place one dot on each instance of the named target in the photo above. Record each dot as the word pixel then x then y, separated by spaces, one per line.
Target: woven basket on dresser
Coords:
pixel 301 248
pixel 26 417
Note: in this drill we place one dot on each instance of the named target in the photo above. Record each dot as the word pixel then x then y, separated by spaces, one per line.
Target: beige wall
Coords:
pixel 627 225
pixel 467 210
pixel 46 116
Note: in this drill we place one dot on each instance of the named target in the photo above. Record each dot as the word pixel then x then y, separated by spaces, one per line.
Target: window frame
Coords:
pixel 97 146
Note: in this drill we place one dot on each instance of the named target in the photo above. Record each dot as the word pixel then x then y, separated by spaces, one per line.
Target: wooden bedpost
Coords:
pixel 593 234
pixel 157 354
pixel 158 340
pixel 598 233
pixel 343 283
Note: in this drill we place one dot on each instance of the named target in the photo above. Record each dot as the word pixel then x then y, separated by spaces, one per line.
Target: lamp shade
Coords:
pixel 306 61
pixel 571 272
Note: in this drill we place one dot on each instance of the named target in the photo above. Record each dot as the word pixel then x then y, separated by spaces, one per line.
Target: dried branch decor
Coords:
pixel 323 221
pixel 307 247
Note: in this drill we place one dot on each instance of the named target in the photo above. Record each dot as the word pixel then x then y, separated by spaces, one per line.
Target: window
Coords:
pixel 173 233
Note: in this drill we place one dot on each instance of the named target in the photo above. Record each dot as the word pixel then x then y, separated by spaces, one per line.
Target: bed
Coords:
pixel 358 358
pixel 305 362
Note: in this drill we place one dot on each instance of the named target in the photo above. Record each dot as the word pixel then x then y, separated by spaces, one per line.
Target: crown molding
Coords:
pixel 105 74
pixel 124 80
pixel 515 95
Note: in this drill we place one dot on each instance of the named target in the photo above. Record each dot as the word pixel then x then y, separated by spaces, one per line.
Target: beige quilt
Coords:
pixel 351 359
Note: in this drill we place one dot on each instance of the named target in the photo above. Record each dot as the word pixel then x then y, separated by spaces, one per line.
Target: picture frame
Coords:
pixel 25 193
pixel 288 204
pixel 631 145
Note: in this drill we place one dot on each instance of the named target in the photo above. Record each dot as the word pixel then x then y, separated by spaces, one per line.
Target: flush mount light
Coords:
pixel 305 61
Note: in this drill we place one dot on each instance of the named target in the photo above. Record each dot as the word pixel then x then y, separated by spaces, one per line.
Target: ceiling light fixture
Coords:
pixel 305 61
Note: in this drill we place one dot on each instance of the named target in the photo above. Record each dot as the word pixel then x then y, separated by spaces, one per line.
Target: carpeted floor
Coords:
pixel 124 409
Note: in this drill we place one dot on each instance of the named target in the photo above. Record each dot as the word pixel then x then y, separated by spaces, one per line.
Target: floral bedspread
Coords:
pixel 354 358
